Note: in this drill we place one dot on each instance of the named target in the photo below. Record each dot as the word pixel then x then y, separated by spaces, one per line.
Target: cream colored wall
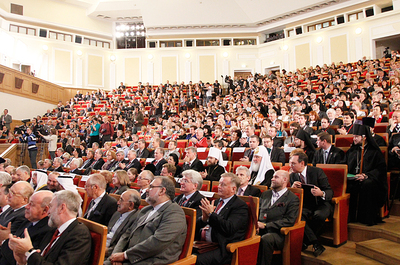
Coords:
pixel 249 58
pixel 132 71
pixel 207 67
pixel 302 55
pixel 63 66
pixel 95 70
pixel 169 69
pixel 72 15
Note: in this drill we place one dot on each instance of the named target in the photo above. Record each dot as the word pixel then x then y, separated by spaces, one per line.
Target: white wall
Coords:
pixel 23 108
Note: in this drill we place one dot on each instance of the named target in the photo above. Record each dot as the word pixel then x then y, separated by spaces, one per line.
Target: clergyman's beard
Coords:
pixel 254 167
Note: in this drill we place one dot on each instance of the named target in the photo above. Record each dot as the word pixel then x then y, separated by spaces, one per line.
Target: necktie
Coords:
pixel 221 202
pixel 302 179
pixel 204 230
pixel 89 208
pixel 269 150
pixel 55 236
pixel 240 193
pixel 325 157
pixel 183 201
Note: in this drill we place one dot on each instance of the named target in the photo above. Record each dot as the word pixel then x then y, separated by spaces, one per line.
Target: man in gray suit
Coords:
pixel 159 232
pixel 6 119
pixel 123 218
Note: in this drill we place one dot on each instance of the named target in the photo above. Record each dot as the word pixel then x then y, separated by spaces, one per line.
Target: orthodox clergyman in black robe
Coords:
pixel 368 191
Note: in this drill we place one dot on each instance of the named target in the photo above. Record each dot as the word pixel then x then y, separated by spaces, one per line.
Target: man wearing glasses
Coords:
pixel 159 232
pixel 102 206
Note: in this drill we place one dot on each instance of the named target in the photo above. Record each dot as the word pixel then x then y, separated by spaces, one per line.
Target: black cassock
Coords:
pixel 368 196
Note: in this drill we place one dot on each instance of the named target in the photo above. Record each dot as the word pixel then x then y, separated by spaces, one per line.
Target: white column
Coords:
pixel 150 73
pixel 188 71
pixel 113 73
pixel 79 72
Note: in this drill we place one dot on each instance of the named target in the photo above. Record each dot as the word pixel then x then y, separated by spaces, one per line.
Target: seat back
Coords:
pixel 299 193
pixel 115 196
pixel 77 179
pixel 343 140
pixel 214 186
pixel 253 206
pixel 337 177
pixel 276 165
pixel 237 164
pixel 206 185
pixel 143 203
pixel 238 153
pixel 98 233
pixel 262 188
pixel 84 197
pixel 190 215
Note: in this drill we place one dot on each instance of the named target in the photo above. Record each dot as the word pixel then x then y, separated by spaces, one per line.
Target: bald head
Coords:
pixel 38 206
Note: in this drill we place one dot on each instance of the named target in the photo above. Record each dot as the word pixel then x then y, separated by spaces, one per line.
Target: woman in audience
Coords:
pixel 174 160
pixel 280 132
pixel 120 181
pixel 132 174
pixel 94 132
pixel 111 159
pixel 108 175
pixel 314 119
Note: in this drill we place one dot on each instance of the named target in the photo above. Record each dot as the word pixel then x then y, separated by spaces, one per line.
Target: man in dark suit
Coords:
pixel 18 197
pixel 73 166
pixel 254 141
pixel 245 188
pixel 144 180
pixel 277 141
pixel 123 218
pixel 191 183
pixel 120 160
pixel 325 128
pixel 132 162
pixel 235 137
pixel 102 206
pixel 332 119
pixel 159 160
pixel 98 160
pixel 89 161
pixel 142 152
pixel 327 154
pixel 74 242
pixel 191 161
pixel 317 198
pixel 159 231
pixel 279 208
pixel 275 153
pixel 303 124
pixel 57 164
pixel 228 221
pixel 36 214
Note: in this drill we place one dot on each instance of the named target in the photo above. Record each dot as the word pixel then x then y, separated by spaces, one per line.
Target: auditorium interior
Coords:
pixel 119 55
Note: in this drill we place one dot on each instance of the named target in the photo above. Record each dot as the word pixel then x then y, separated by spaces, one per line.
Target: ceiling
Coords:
pixel 161 16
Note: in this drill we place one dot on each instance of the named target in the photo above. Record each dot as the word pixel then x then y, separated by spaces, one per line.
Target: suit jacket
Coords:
pixel 337 121
pixel 59 169
pixel 126 224
pixel 193 202
pixel 159 166
pixel 278 155
pixel 156 240
pixel 196 165
pixel 119 191
pixel 282 213
pixel 234 144
pixel 17 218
pixel 308 129
pixel 143 154
pixel 36 233
pixel 277 142
pixel 134 164
pixel 252 191
pixel 249 153
pixel 228 226
pixel 98 164
pixel 74 246
pixel 103 211
pixel 335 156
pixel 315 176
pixel 76 171
pixel 87 163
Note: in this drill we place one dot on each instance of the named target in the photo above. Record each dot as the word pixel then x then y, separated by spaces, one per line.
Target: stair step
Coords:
pixel 389 230
pixel 382 250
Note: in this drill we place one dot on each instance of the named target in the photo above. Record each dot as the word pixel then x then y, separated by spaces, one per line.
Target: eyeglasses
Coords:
pixel 151 187
pixel 185 181
pixel 13 193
